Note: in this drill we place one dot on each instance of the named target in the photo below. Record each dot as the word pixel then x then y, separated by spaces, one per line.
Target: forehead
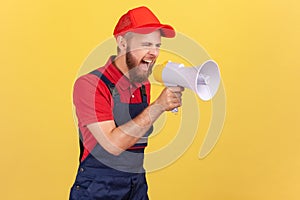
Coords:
pixel 153 37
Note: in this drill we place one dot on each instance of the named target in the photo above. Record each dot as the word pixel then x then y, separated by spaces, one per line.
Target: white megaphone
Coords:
pixel 203 79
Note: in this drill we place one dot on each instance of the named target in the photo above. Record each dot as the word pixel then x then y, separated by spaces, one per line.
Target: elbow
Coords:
pixel 115 152
pixel 113 149
pixel 117 147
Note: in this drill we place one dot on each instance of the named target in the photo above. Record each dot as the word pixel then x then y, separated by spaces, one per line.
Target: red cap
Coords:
pixel 142 20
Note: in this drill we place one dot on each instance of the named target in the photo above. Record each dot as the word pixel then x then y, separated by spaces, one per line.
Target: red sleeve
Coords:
pixel 92 100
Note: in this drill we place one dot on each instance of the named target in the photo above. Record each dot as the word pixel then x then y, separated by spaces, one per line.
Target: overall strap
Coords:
pixel 107 82
pixel 143 94
pixel 80 145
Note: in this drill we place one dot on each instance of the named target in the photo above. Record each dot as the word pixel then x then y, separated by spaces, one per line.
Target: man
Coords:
pixel 114 115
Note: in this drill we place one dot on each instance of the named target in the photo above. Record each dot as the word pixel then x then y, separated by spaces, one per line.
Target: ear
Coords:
pixel 122 43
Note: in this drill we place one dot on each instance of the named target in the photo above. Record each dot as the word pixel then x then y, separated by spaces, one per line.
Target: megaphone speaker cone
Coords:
pixel 208 80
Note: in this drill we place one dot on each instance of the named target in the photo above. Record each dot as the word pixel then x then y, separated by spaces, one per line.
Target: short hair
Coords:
pixel 127 36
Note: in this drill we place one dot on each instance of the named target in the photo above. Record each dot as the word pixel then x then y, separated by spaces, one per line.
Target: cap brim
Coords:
pixel 166 30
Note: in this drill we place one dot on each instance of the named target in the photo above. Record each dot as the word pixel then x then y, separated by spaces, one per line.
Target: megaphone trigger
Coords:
pixel 175 110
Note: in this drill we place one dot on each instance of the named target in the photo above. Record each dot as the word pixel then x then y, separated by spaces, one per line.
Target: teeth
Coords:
pixel 148 61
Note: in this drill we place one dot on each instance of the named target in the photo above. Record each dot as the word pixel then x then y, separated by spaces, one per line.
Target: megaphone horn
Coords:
pixel 203 79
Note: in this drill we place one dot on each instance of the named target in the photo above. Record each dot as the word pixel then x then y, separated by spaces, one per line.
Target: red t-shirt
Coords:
pixel 94 103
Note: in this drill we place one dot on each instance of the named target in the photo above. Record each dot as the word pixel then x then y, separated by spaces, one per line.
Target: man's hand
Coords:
pixel 170 98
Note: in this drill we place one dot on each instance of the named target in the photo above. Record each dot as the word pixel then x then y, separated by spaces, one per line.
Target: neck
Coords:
pixel 120 63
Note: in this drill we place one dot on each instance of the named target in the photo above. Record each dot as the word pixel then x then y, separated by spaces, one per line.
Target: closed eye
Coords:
pixel 149 44
pixel 146 44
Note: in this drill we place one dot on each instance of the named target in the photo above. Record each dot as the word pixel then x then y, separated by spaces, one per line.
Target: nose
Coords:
pixel 154 51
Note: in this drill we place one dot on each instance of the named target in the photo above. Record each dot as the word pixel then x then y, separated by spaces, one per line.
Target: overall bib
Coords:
pixel 103 176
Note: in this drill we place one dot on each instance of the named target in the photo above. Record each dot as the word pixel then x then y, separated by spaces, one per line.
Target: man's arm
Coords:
pixel 115 140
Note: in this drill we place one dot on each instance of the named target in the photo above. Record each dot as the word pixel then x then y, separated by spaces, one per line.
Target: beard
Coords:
pixel 136 75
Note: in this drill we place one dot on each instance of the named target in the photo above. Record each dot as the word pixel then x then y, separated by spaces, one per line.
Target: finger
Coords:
pixel 176 98
pixel 177 95
pixel 176 88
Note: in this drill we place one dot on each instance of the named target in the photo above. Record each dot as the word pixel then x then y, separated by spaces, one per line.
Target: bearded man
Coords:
pixel 114 113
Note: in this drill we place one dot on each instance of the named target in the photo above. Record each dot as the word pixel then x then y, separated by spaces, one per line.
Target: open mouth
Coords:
pixel 146 63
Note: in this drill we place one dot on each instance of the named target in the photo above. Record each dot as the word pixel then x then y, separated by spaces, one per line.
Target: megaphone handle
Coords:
pixel 175 110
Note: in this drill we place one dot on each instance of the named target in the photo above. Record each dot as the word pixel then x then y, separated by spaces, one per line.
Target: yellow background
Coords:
pixel 257 45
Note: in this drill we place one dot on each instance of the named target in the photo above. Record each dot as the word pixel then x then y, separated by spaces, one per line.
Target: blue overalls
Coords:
pixel 103 176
